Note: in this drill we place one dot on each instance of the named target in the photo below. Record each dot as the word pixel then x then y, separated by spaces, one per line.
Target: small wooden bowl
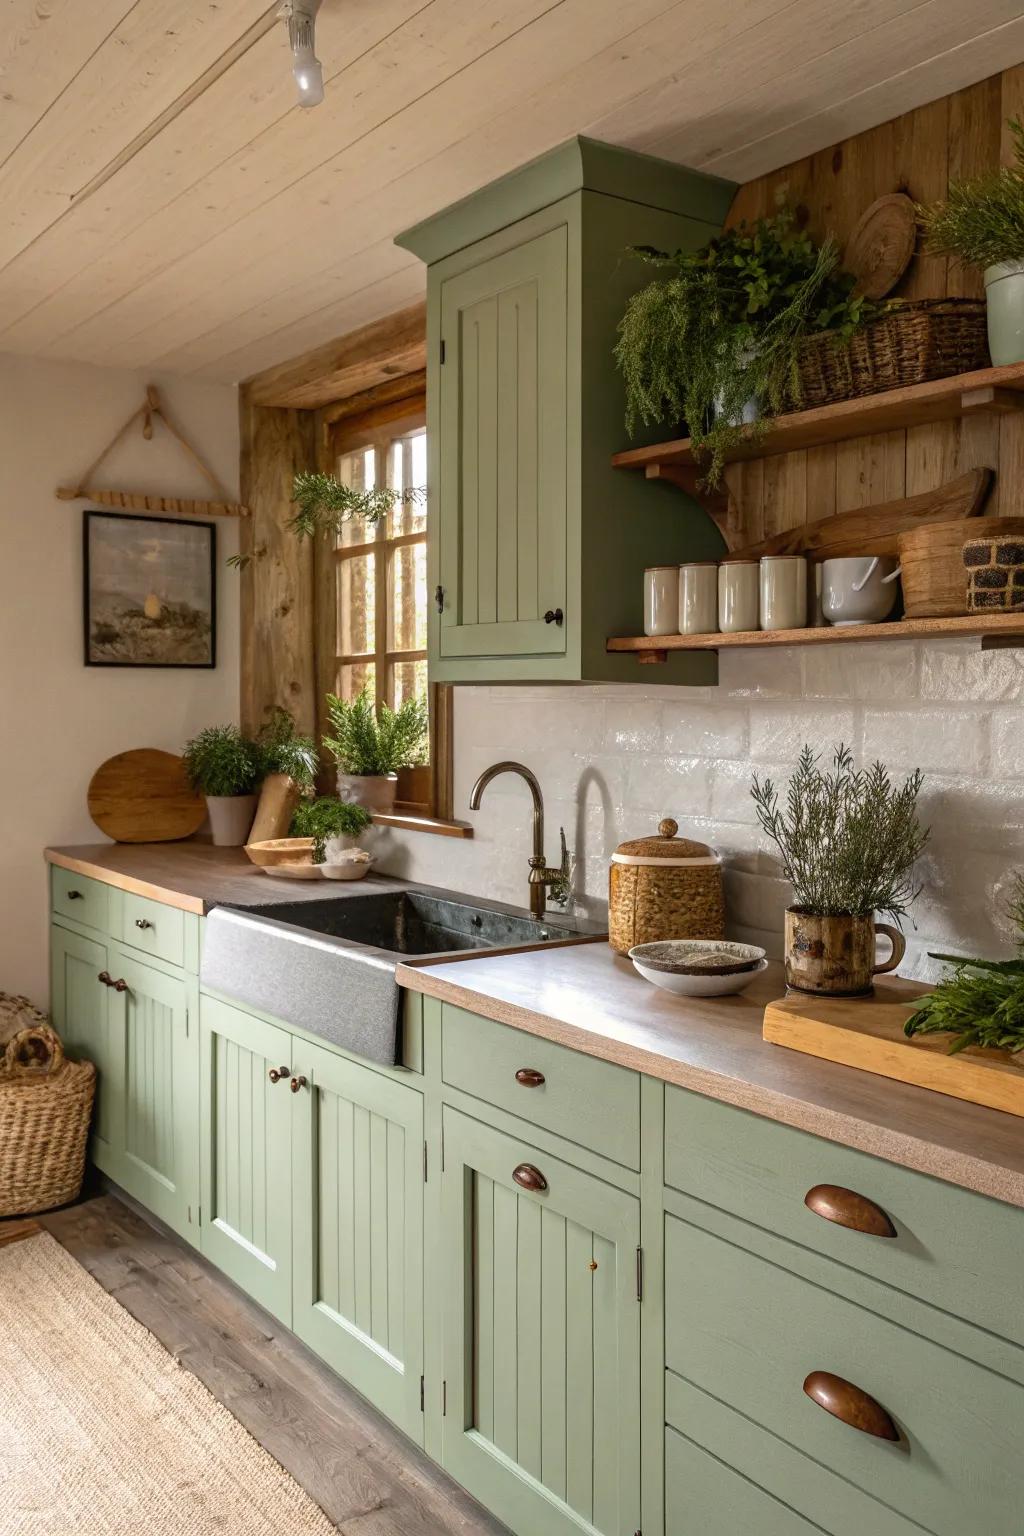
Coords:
pixel 281 850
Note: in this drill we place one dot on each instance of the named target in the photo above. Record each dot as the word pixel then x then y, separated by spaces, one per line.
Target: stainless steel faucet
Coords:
pixel 541 876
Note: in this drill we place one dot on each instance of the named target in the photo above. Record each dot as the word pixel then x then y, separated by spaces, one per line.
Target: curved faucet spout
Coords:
pixel 540 875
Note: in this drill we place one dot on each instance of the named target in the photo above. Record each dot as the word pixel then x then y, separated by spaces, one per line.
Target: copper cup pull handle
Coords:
pixel 899 948
pixel 106 978
pixel 529 1177
pixel 529 1077
pixel 277 1073
pixel 848 1209
pixel 849 1403
pixel 297 1083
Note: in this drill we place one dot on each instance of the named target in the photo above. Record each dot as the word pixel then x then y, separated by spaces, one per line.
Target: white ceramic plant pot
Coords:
pixel 231 818
pixel 1004 297
pixel 374 791
pixel 334 847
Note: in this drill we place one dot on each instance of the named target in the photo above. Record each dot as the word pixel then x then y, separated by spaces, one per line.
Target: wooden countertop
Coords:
pixel 590 999
pixel 194 876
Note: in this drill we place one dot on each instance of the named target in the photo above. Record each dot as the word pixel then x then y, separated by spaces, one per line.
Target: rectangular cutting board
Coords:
pixel 867 1033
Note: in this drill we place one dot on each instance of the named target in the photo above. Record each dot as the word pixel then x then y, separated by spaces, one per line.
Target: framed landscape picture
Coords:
pixel 150 591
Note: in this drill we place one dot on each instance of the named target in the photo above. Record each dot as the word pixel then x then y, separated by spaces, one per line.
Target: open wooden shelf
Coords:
pixel 995 631
pixel 986 391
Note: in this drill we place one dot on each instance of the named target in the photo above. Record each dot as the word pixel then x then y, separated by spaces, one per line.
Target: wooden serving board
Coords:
pixel 143 796
pixel 867 1033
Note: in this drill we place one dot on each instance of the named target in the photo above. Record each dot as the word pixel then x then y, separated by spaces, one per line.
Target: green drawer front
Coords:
pixel 78 897
pixel 704 1496
pixel 748 1333
pixel 154 928
pixel 956 1250
pixel 592 1103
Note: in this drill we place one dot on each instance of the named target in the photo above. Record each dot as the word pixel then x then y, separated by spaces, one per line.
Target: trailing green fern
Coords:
pixel 376 740
pixel 325 818
pixel 323 505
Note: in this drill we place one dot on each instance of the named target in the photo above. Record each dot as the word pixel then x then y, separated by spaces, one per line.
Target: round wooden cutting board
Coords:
pixel 143 796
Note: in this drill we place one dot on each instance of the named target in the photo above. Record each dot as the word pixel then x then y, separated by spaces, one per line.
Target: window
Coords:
pixel 375 587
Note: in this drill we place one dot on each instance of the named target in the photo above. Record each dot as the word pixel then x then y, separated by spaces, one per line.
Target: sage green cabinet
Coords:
pixel 541 1336
pixel 536 546
pixel 79 1006
pixel 245 1121
pixel 357 1228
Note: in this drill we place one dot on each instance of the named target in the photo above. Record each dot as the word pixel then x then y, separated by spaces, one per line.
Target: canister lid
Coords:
pixel 665 849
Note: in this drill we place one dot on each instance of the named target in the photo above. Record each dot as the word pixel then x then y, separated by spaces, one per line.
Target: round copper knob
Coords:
pixel 297 1083
pixel 276 1073
pixel 106 978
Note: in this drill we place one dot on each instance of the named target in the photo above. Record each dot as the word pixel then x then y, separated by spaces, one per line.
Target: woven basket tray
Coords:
pixel 45 1107
pixel 920 340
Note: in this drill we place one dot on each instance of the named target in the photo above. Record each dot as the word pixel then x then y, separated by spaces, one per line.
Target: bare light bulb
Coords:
pixel 306 67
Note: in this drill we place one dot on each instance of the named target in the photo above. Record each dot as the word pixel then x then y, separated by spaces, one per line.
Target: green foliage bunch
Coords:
pixel 323 504
pixel 327 817
pixel 376 740
pixel 982 1002
pixel 726 326
pixel 981 220
pixel 849 838
pixel 221 761
pixel 282 751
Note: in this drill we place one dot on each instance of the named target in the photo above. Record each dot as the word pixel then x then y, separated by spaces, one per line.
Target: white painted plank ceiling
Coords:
pixel 164 203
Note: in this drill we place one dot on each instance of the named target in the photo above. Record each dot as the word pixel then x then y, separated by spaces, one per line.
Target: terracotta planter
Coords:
pixel 374 791
pixel 278 799
pixel 835 956
pixel 230 818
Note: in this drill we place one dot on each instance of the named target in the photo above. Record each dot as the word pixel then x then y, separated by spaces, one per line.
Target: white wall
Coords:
pixel 612 761
pixel 61 719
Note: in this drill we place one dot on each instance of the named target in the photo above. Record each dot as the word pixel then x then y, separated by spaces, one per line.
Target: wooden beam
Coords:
pixel 381 404
pixel 375 354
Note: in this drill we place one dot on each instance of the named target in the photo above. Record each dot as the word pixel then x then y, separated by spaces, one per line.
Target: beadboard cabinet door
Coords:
pixel 157 1038
pixel 357 1213
pixel 245 1152
pixel 503 463
pixel 541 1337
pixel 90 1030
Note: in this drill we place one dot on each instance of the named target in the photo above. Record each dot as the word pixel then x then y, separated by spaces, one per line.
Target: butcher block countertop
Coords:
pixel 590 999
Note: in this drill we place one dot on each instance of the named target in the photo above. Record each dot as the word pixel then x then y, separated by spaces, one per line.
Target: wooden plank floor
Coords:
pixel 366 1477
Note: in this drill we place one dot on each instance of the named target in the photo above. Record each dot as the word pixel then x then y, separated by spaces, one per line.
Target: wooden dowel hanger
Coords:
pixel 142 501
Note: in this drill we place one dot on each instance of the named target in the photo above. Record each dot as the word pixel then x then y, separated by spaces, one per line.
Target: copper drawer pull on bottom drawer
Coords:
pixel 850 1404
pixel 529 1177
pixel 848 1209
pixel 529 1077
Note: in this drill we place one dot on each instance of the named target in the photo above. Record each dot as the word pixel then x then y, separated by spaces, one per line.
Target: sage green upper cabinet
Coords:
pixel 536 546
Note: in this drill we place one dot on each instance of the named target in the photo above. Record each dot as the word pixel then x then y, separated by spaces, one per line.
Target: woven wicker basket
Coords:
pixel 45 1105
pixel 920 340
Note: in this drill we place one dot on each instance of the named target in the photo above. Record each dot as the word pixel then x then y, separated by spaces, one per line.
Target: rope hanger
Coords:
pixel 138 500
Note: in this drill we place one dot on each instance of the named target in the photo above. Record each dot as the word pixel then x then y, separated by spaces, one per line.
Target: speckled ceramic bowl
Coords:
pixel 698 957
pixel 697 983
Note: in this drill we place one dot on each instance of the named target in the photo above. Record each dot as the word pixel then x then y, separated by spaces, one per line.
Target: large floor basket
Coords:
pixel 45 1106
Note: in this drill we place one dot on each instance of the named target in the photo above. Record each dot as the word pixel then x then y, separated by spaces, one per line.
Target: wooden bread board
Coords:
pixel 867 1033
pixel 144 796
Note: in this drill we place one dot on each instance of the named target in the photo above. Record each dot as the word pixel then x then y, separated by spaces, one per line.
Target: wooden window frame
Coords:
pixel 425 795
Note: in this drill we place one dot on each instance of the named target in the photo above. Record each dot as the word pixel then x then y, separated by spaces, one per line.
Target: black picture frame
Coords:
pixel 92 646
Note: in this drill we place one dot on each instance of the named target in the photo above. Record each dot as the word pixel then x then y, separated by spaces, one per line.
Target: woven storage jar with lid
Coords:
pixel 664 887
pixel 45 1105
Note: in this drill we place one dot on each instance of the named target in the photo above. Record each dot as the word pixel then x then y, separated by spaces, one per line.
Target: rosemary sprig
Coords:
pixel 982 1002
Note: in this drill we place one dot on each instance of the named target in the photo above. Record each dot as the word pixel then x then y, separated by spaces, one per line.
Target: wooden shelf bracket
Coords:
pixel 141 501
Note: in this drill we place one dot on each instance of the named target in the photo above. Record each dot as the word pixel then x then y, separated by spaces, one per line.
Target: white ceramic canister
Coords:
pixel 661 600
pixel 783 592
pixel 698 598
pixel 738 596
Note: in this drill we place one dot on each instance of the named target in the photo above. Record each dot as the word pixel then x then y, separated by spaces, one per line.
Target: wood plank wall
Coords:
pixel 918 153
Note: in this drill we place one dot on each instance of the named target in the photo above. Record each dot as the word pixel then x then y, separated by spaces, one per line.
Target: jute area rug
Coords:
pixel 102 1433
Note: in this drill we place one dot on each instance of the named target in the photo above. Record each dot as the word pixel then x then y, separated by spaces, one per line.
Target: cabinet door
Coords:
pixel 245 1152
pixel 358 1229
pixel 502 455
pixel 158 1042
pixel 90 1028
pixel 541 1337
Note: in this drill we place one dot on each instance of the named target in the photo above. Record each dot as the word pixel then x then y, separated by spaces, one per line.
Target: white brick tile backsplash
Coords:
pixel 613 760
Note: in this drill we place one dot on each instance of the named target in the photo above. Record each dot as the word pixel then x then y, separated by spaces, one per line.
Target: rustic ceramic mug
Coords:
pixel 835 956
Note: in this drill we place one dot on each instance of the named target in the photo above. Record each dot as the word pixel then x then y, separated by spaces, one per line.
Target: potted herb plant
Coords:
pixel 849 840
pixel 288 765
pixel 369 744
pixel 334 826
pixel 716 342
pixel 981 222
pixel 225 767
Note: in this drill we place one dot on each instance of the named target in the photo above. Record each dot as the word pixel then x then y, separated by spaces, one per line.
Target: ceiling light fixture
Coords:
pixel 306 67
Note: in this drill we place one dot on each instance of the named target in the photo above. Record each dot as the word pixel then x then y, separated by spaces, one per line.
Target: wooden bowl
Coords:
pixel 281 850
